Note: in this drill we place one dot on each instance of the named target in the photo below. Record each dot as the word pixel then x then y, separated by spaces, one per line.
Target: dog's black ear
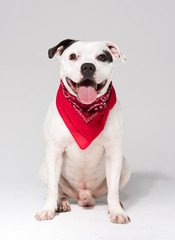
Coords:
pixel 59 48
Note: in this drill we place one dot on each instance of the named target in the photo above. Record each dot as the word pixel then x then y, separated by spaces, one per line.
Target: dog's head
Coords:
pixel 86 67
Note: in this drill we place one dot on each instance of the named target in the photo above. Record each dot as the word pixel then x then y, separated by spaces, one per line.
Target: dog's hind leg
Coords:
pixel 65 192
pixel 63 204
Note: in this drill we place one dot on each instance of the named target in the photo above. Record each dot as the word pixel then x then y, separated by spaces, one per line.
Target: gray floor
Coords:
pixel 148 199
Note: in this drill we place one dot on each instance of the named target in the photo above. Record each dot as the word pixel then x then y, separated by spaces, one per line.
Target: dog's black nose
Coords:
pixel 88 69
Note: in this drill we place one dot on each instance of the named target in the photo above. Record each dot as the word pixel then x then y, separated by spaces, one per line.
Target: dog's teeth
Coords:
pixel 77 85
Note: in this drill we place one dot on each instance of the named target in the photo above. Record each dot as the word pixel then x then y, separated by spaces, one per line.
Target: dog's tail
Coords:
pixel 85 195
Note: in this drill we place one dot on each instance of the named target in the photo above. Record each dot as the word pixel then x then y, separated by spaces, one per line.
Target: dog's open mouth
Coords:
pixel 86 90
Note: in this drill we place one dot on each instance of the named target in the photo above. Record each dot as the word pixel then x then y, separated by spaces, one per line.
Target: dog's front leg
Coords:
pixel 113 171
pixel 53 163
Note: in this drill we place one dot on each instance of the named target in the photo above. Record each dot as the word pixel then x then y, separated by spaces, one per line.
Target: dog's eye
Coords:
pixel 72 56
pixel 102 57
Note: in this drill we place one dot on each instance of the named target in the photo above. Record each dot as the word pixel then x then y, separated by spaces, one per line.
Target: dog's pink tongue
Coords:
pixel 87 95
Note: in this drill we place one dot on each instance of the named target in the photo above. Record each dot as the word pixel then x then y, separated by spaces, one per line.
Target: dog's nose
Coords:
pixel 88 69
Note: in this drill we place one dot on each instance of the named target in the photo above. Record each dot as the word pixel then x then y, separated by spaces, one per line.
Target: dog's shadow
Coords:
pixel 137 188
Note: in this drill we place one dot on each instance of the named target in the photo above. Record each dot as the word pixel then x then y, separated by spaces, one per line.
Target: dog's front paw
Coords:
pixel 120 218
pixel 45 215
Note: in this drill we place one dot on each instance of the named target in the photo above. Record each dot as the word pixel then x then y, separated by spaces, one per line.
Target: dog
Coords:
pixel 83 129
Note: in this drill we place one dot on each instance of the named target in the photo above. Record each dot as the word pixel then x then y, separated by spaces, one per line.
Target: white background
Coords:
pixel 144 31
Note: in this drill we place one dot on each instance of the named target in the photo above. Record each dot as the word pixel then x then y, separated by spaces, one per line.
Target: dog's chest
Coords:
pixel 84 169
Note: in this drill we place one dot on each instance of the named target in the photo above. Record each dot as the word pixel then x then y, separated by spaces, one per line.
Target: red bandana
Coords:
pixel 84 121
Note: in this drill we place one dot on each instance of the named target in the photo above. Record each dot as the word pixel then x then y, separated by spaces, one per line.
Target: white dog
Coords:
pixel 84 132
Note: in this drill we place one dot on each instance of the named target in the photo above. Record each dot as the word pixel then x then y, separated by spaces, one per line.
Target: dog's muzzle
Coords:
pixel 86 90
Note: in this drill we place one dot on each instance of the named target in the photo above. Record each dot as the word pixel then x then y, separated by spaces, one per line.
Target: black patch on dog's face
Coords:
pixel 109 56
pixel 65 43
